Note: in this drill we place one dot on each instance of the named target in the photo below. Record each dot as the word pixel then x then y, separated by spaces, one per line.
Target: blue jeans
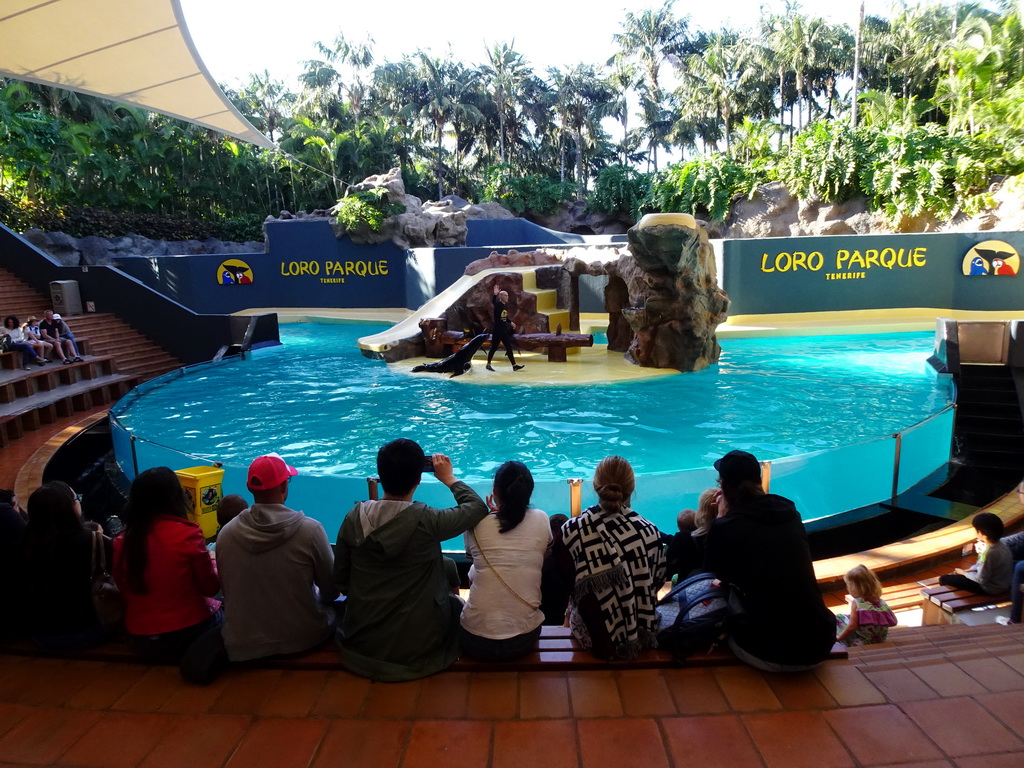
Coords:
pixel 1016 585
pixel 27 353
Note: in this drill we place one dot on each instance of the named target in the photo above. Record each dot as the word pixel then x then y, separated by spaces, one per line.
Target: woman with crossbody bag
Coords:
pixel 57 563
pixel 502 617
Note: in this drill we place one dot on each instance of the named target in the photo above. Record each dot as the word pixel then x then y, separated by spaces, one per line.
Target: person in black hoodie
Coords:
pixel 758 546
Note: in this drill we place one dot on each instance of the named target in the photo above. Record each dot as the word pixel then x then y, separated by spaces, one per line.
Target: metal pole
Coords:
pixel 896 467
pixel 766 476
pixel 135 456
pixel 372 484
pixel 575 496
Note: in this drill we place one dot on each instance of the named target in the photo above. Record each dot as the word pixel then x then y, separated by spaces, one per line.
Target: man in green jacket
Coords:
pixel 401 619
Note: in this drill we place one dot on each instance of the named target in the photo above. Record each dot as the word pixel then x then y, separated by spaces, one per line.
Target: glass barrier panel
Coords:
pixel 820 484
pixel 926 447
pixel 828 482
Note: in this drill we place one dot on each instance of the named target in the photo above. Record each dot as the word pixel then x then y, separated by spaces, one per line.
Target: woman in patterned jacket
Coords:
pixel 613 557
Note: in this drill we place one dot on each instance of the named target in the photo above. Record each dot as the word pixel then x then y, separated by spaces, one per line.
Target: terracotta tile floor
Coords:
pixel 921 706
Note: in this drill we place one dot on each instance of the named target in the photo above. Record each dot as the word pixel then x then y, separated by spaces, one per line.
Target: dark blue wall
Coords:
pixel 305 265
pixel 760 276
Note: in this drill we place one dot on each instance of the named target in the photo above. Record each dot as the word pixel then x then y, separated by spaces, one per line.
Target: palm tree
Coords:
pixel 711 83
pixel 651 38
pixel 624 79
pixel 583 99
pixel 506 73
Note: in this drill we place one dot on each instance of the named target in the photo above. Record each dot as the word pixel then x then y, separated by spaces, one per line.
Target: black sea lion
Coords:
pixel 458 363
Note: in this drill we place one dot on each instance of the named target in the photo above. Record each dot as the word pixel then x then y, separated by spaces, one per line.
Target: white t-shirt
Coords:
pixel 492 611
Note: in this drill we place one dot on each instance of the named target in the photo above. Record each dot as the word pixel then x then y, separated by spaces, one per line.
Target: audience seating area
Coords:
pixel 935 695
pixel 117 357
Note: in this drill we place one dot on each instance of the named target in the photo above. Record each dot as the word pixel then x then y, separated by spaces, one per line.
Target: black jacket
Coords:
pixel 761 548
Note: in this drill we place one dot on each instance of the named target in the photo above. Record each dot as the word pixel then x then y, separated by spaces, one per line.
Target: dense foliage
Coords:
pixel 935 109
pixel 366 209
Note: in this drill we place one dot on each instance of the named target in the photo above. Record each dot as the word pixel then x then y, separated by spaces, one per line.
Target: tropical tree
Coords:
pixel 506 75
pixel 583 99
pixel 650 39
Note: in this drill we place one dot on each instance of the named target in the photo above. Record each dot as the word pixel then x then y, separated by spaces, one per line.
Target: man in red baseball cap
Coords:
pixel 268 556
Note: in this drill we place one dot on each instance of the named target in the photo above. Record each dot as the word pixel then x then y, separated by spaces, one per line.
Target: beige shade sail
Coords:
pixel 138 52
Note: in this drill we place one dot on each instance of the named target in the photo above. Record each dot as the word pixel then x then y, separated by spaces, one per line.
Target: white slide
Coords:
pixel 410 326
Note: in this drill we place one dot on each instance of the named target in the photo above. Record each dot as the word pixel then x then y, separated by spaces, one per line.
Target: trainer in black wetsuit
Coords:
pixel 501 329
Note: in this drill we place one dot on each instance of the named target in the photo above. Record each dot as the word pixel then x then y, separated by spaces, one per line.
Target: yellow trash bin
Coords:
pixel 203 486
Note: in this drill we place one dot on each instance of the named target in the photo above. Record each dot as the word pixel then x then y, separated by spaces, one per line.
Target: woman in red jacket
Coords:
pixel 163 570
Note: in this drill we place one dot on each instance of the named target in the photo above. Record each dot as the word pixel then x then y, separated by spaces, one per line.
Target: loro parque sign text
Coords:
pixel 844 264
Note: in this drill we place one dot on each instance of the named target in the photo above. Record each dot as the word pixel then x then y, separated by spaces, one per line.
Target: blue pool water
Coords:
pixel 323 406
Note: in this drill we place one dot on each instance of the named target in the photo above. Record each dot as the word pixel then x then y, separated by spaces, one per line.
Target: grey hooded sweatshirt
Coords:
pixel 401 619
pixel 276 568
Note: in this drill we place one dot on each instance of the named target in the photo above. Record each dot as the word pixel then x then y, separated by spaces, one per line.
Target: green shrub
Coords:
pixel 525 193
pixel 704 187
pixel 366 209
pixel 80 221
pixel 907 171
pixel 823 162
pixel 621 191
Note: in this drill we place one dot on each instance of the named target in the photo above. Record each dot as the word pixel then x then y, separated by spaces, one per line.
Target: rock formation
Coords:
pixel 440 224
pixel 662 297
pixel 673 302
pixel 474 311
pixel 774 212
pixel 574 217
pixel 97 251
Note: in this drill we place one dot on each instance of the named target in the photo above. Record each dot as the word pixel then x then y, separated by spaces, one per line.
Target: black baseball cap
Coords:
pixel 738 467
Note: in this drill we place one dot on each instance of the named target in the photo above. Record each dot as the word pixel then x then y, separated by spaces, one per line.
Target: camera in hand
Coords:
pixel 428 463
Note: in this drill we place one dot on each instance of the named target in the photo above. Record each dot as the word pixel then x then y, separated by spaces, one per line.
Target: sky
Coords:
pixel 239 37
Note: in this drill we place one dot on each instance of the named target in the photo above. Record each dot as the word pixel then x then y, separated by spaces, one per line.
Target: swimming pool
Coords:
pixel 824 409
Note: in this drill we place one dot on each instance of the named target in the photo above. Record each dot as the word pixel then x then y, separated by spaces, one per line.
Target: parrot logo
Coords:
pixel 995 258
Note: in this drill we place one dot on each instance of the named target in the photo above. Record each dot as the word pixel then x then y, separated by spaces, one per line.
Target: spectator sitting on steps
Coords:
pixel 54 330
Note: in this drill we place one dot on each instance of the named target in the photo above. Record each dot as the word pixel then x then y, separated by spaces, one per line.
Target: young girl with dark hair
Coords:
pixel 613 557
pixel 502 617
pixel 163 570
pixel 56 552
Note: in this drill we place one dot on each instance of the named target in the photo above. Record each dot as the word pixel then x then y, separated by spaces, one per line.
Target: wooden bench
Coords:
pixel 941 605
pixel 11 361
pixel 555 343
pixel 557 652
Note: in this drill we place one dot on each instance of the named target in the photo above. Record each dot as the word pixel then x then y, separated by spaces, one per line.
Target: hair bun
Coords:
pixel 610 492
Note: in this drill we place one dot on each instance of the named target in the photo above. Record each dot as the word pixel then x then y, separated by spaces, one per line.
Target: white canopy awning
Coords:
pixel 138 52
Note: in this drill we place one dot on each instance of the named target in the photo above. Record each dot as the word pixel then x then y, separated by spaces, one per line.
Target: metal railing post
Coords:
pixel 766 476
pixel 896 467
pixel 372 488
pixel 575 496
pixel 135 456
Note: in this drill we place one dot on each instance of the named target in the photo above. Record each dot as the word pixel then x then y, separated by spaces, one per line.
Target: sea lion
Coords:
pixel 457 363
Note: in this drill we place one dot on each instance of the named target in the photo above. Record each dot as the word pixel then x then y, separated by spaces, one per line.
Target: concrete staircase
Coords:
pixel 117 357
pixel 104 334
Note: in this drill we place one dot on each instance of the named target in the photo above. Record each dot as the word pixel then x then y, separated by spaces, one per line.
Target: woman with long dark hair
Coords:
pixel 56 556
pixel 613 557
pixel 502 617
pixel 163 569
